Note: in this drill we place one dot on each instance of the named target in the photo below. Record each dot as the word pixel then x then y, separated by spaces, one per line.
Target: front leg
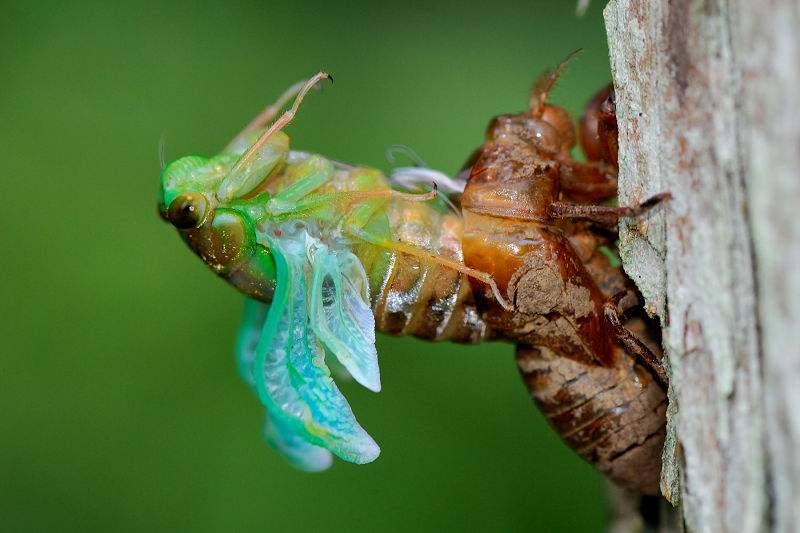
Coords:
pixel 588 182
pixel 265 154
pixel 613 311
pixel 600 214
pixel 238 143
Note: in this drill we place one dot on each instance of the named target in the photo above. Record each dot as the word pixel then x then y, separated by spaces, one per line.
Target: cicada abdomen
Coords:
pixel 593 370
pixel 423 298
pixel 411 251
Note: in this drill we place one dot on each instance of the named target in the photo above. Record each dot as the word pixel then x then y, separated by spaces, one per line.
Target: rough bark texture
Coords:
pixel 707 102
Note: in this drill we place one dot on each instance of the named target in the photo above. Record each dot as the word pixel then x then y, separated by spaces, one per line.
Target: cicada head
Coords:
pixel 551 132
pixel 205 199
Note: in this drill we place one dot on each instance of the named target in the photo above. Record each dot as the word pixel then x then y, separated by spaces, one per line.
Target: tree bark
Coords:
pixel 708 93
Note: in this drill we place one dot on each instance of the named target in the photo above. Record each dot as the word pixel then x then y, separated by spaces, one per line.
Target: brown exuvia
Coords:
pixel 533 220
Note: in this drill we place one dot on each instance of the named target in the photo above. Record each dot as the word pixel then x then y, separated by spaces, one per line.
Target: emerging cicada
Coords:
pixel 328 253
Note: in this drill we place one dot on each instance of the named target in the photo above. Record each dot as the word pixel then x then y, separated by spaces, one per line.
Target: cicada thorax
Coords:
pixel 604 404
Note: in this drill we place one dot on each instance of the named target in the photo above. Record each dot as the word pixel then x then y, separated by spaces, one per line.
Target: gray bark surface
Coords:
pixel 708 93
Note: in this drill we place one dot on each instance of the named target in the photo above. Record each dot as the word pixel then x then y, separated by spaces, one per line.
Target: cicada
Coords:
pixel 325 253
pixel 328 253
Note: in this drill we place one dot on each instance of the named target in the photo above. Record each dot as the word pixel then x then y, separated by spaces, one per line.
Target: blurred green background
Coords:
pixel 121 406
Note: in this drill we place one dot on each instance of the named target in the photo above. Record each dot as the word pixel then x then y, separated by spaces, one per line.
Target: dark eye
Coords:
pixel 188 210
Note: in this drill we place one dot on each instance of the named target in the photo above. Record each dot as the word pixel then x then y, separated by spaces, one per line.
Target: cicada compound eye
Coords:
pixel 188 210
pixel 543 135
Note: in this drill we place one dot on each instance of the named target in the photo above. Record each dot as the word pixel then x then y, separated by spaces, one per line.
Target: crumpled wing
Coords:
pixel 285 439
pixel 291 377
pixel 341 315
pixel 253 318
pixel 293 446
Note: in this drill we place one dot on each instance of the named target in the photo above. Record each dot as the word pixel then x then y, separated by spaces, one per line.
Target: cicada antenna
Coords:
pixel 268 113
pixel 282 122
pixel 162 142
pixel 545 83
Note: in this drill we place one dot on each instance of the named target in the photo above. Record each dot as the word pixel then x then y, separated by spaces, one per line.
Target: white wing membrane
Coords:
pixel 341 315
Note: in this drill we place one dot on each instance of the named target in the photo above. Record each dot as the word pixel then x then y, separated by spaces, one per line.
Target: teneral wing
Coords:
pixel 281 436
pixel 253 318
pixel 290 374
pixel 340 313
pixel 294 447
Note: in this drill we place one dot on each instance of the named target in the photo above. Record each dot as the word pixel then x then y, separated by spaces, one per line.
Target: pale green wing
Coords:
pixel 290 443
pixel 253 318
pixel 294 447
pixel 291 377
pixel 341 315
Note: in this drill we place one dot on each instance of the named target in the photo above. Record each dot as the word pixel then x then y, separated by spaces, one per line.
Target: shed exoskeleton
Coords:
pixel 587 352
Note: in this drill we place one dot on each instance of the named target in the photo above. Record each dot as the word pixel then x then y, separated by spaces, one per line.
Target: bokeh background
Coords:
pixel 120 406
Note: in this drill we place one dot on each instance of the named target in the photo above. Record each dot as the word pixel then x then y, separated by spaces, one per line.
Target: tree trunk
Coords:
pixel 708 95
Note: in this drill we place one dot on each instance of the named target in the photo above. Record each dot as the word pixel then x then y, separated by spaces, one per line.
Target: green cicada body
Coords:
pixel 326 253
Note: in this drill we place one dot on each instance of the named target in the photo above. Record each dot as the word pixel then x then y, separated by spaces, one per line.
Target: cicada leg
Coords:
pixel 259 160
pixel 601 214
pixel 613 310
pixel 281 123
pixel 355 223
pixel 267 114
pixel 281 206
pixel 545 83
pixel 589 182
